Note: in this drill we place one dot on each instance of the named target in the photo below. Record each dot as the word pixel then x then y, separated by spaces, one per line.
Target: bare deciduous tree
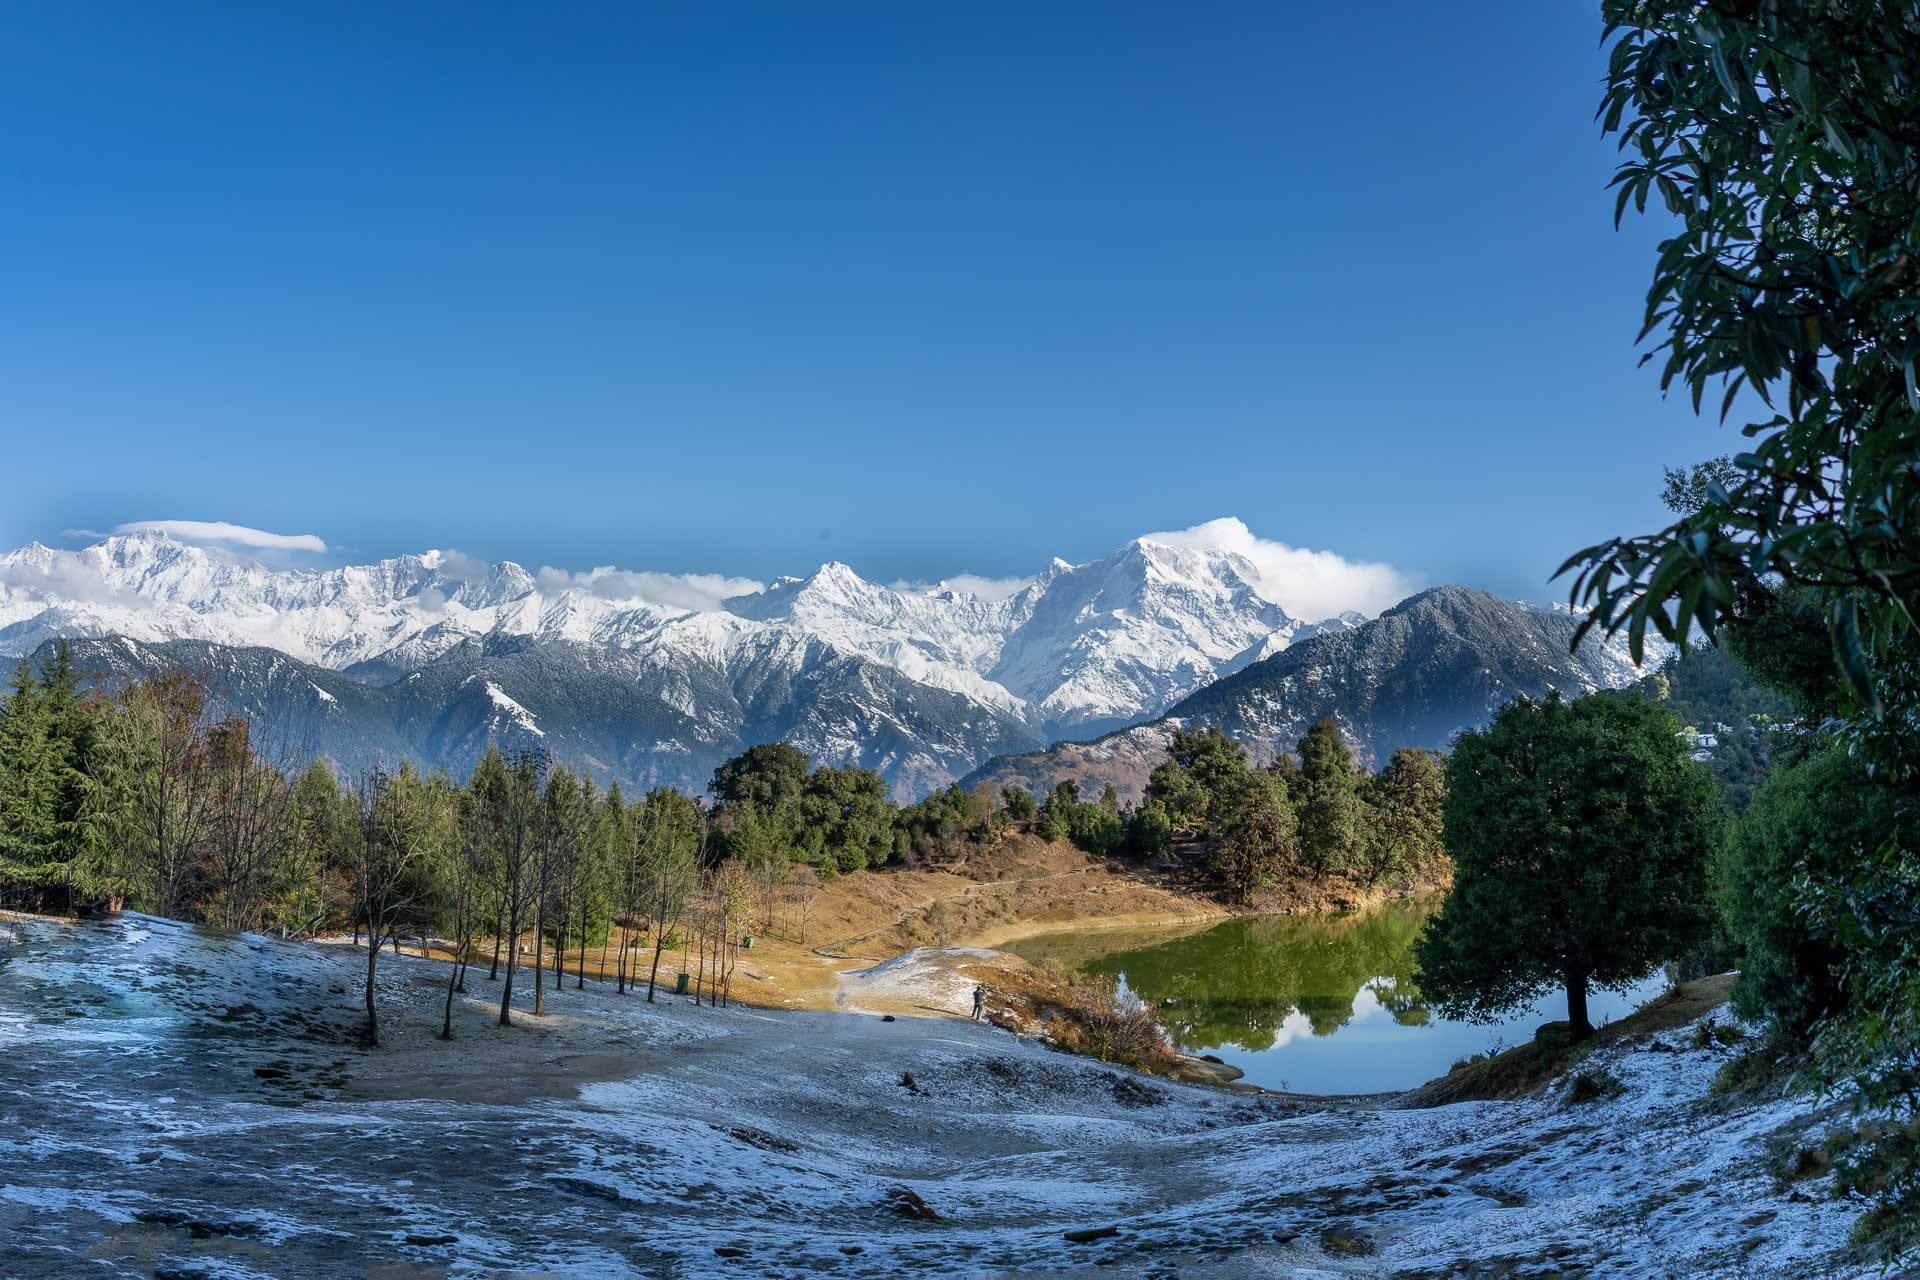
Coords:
pixel 382 856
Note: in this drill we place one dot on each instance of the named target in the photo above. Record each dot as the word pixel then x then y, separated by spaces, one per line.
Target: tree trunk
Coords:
pixel 458 959
pixel 539 943
pixel 453 980
pixel 373 1018
pixel 1577 1004
pixel 580 975
pixel 620 967
pixel 513 953
pixel 499 923
pixel 654 976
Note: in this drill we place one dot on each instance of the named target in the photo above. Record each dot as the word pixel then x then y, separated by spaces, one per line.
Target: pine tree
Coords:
pixel 1326 796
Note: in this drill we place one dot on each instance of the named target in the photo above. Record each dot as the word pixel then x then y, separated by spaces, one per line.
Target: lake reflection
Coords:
pixel 1317 1004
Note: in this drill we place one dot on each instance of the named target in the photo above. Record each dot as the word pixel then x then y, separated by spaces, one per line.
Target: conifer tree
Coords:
pixel 1326 796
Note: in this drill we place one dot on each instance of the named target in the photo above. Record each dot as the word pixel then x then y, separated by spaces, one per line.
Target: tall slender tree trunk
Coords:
pixel 373 963
pixel 499 924
pixel 659 940
pixel 513 952
pixel 458 959
pixel 539 942
pixel 580 974
pixel 620 966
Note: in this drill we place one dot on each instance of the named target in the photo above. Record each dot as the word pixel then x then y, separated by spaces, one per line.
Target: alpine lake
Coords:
pixel 1323 1004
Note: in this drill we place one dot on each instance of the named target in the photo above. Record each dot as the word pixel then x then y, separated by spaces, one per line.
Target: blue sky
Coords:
pixel 742 288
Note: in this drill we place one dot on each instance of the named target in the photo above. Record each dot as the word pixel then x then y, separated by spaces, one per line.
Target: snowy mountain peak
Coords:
pixel 1075 648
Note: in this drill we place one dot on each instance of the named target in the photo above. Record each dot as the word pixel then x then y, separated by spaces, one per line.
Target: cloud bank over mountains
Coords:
pixel 1307 584
pixel 222 534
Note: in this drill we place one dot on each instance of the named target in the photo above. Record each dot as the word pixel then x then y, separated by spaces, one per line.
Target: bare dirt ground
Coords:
pixel 181 1104
pixel 1018 887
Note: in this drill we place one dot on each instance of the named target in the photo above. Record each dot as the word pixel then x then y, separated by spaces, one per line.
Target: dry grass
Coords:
pixel 1080 1015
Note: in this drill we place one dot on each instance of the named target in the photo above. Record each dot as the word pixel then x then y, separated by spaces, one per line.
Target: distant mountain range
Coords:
pixel 1436 663
pixel 432 656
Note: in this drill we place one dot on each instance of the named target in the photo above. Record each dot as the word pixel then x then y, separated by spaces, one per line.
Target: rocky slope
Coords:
pixel 619 716
pixel 1432 665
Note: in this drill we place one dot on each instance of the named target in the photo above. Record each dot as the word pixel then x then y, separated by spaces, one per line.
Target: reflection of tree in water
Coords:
pixel 1237 983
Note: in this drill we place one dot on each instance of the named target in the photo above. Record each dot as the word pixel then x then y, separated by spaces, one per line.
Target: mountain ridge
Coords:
pixel 1440 661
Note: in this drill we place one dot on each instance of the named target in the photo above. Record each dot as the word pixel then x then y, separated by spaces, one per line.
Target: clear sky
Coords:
pixel 740 288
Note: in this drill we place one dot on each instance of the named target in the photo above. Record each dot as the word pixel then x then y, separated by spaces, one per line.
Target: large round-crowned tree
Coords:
pixel 1580 834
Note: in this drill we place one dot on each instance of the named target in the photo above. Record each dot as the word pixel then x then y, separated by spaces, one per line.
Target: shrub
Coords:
pixel 1810 820
pixel 1593 1087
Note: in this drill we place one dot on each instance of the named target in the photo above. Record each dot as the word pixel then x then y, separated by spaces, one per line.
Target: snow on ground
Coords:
pixel 928 979
pixel 179 1103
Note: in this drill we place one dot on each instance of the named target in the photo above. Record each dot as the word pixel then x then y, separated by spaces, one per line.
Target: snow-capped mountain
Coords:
pixel 435 654
pixel 1438 662
pixel 1082 647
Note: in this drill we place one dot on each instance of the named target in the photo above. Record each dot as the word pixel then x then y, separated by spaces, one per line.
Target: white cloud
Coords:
pixel 220 533
pixel 1310 585
pixel 458 565
pixel 695 591
pixel 972 584
pixel 65 576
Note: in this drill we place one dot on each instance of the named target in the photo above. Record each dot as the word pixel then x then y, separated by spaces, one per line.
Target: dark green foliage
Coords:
pixel 946 821
pixel 1202 766
pixel 1149 831
pixel 1249 828
pixel 771 806
pixel 1326 800
pixel 48 743
pixel 1817 819
pixel 1580 834
pixel 1782 136
pixel 1779 638
pixel 767 779
pixel 1711 692
pixel 1255 841
pixel 848 817
pixel 1401 831
pixel 1092 827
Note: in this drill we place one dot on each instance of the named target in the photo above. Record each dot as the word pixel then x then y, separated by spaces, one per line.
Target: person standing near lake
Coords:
pixel 979 1001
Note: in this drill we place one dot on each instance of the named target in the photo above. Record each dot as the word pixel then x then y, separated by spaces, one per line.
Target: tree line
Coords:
pixel 141 795
pixel 1317 814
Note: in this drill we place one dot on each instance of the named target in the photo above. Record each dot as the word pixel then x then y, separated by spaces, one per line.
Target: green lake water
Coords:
pixel 1314 1004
